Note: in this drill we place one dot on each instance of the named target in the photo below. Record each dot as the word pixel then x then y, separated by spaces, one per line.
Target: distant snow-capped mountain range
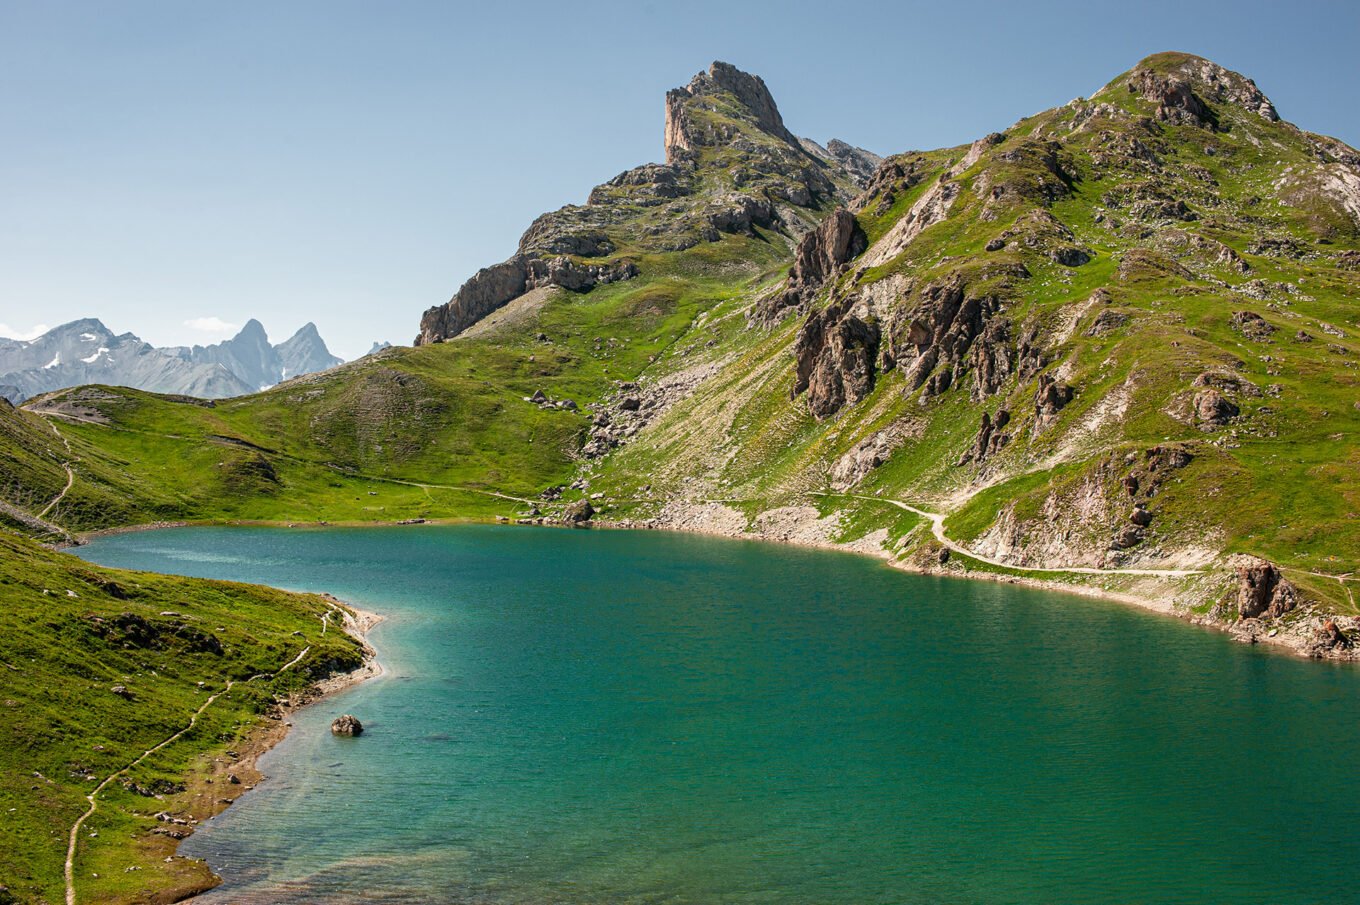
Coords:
pixel 86 351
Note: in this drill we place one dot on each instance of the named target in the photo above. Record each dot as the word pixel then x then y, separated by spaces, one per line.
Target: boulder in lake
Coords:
pixel 348 725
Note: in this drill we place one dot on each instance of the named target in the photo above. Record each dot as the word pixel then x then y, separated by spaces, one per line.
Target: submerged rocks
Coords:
pixel 1262 590
pixel 347 725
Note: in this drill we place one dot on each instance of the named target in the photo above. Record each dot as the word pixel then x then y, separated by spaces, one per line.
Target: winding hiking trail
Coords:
pixel 70 475
pixel 936 520
pixel 70 869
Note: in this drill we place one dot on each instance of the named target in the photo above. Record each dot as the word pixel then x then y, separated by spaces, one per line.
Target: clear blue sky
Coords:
pixel 351 163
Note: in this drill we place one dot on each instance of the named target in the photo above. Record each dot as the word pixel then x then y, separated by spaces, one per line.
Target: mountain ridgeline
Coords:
pixel 732 168
pixel 87 352
pixel 1113 345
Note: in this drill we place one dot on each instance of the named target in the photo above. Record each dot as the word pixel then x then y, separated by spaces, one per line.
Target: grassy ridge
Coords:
pixel 70 633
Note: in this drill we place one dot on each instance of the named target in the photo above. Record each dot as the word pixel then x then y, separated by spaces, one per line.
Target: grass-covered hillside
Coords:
pixel 1116 335
pixel 1153 294
pixel 99 665
pixel 1114 346
pixel 1165 262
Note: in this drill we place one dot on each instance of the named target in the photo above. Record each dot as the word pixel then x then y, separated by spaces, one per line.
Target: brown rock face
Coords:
pixel 1176 101
pixel 347 725
pixel 941 333
pixel 990 438
pixel 1331 637
pixel 820 256
pixel 1050 398
pixel 864 457
pixel 1262 590
pixel 494 287
pixel 1212 409
pixel 578 513
pixel 683 135
pixel 834 355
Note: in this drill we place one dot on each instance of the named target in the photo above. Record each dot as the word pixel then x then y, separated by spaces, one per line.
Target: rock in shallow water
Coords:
pixel 347 725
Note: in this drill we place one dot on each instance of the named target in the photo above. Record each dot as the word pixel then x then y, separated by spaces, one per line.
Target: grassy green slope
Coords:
pixel 69 633
pixel 1277 481
pixel 1186 225
pixel 451 417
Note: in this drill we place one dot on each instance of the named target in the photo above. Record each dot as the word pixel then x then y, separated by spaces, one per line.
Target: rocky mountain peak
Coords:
pixel 253 330
pixel 732 168
pixel 306 334
pixel 304 352
pixel 1182 85
pixel 721 79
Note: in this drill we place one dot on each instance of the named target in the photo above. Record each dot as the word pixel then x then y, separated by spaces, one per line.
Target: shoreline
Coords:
pixel 1295 637
pixel 223 778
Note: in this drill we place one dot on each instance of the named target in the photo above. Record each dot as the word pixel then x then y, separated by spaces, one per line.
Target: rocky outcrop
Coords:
pixel 685 133
pixel 1251 325
pixel 859 163
pixel 990 438
pixel 931 208
pixel 893 177
pixel 1041 232
pixel 1329 638
pixel 754 175
pixel 1030 171
pixel 834 356
pixel 1262 591
pixel 1181 83
pixel 1050 397
pixel 864 457
pixel 493 287
pixel 992 360
pixel 1176 101
pixel 932 345
pixel 347 725
pixel 634 406
pixel 1212 409
pixel 578 513
pixel 821 256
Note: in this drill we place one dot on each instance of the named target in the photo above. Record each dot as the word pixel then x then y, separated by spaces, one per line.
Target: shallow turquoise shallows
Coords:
pixel 618 717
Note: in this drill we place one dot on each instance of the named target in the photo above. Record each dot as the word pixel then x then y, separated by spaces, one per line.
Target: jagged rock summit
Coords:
pixel 1110 344
pixel 250 356
pixel 720 85
pixel 87 352
pixel 732 169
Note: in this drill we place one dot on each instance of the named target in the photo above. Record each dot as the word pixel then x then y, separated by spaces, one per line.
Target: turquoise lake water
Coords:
pixel 632 717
